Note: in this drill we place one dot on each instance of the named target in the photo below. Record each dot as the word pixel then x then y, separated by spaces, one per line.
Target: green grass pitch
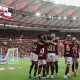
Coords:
pixel 22 74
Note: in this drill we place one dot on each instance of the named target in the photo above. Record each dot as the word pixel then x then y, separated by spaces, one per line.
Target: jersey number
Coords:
pixel 52 48
pixel 67 48
pixel 42 51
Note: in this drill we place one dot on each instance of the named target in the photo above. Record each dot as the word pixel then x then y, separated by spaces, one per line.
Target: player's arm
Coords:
pixel 61 49
pixel 53 43
pixel 79 50
pixel 46 41
pixel 78 47
pixel 40 43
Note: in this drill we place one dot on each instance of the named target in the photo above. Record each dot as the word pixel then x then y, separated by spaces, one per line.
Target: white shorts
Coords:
pixel 42 61
pixel 34 57
pixel 51 57
pixel 68 60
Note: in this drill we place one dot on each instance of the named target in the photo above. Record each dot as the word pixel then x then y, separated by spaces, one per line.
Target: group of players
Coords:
pixel 45 54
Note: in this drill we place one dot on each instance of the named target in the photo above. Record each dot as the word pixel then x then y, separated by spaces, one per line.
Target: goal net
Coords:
pixel 11 57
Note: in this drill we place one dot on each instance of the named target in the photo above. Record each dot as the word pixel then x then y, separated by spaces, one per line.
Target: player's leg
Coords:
pixel 53 59
pixel 48 65
pixel 35 68
pixel 67 69
pixel 44 70
pixel 47 70
pixel 56 65
pixel 77 64
pixel 68 63
pixel 52 70
pixel 44 67
pixel 39 71
pixel 31 67
pixel 56 68
pixel 73 70
pixel 74 67
pixel 39 68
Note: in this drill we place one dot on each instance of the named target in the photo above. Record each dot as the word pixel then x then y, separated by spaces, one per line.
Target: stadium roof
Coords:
pixel 43 14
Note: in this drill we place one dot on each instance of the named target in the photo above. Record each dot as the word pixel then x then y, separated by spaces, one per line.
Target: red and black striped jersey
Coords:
pixel 53 48
pixel 41 51
pixel 68 48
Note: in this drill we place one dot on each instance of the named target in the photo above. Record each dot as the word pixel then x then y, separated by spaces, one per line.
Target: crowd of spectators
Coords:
pixel 24 46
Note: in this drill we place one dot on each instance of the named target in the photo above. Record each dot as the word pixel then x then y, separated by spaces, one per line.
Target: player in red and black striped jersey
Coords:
pixel 68 54
pixel 58 46
pixel 41 51
pixel 51 57
pixel 34 61
pixel 75 56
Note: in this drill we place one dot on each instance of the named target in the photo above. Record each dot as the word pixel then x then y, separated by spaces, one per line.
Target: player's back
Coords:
pixel 68 48
pixel 42 51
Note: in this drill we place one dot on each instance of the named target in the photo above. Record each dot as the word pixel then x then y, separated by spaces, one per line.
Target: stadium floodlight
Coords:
pixel 65 18
pixel 59 17
pixel 38 14
pixel 74 18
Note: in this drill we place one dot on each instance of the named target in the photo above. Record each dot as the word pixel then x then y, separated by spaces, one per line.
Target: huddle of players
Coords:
pixel 45 54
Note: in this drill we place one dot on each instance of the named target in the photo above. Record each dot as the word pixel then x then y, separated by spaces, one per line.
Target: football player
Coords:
pixel 68 53
pixel 57 55
pixel 51 57
pixel 41 51
pixel 34 61
pixel 76 56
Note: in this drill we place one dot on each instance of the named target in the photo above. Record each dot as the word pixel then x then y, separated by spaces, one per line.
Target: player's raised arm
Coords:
pixel 53 38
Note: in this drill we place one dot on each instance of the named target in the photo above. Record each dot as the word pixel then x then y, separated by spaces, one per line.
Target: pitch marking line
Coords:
pixel 9 68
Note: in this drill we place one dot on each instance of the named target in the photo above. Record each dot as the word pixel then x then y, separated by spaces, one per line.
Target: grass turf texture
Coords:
pixel 22 74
